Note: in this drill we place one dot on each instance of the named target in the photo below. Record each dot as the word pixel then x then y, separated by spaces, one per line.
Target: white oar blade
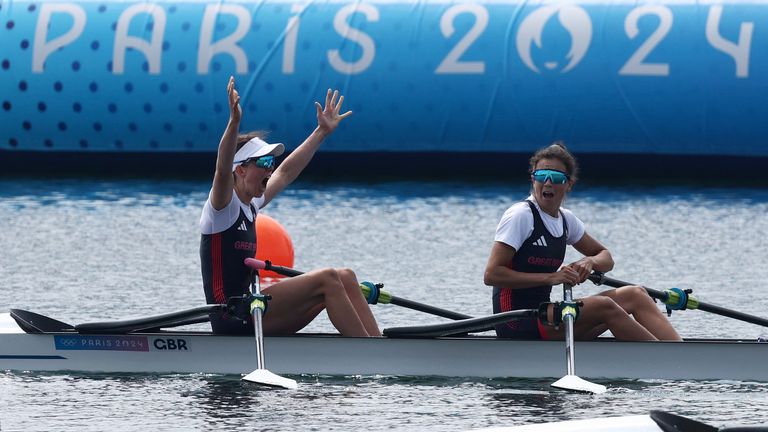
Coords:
pixel 265 377
pixel 574 383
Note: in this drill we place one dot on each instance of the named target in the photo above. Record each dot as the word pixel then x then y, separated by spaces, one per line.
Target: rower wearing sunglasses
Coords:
pixel 246 180
pixel 526 260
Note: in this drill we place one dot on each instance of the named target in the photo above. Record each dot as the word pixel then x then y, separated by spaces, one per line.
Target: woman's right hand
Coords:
pixel 235 112
pixel 566 274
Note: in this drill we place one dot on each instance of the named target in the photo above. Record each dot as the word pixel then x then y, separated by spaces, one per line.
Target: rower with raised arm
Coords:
pixel 246 180
pixel 527 256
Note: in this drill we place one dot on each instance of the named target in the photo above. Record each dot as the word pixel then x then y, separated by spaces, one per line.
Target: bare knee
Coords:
pixel 327 275
pixel 346 274
pixel 634 297
pixel 329 279
pixel 635 291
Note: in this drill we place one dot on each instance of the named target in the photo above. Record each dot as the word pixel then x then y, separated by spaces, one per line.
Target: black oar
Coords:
pixel 460 326
pixel 677 299
pixel 383 296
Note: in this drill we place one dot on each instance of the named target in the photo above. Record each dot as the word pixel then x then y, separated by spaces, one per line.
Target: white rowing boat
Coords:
pixel 48 348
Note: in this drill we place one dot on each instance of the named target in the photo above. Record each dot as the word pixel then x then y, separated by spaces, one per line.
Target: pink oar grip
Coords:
pixel 255 264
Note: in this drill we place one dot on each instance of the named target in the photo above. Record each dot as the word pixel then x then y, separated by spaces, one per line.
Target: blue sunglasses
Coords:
pixel 266 162
pixel 556 177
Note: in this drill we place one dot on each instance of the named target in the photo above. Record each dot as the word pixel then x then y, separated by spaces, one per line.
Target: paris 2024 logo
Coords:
pixel 574 20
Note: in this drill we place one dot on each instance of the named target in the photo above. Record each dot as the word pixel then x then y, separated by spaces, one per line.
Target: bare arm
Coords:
pixel 498 274
pixel 221 191
pixel 328 118
pixel 596 257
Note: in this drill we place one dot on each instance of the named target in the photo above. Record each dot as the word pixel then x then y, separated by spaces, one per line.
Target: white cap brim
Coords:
pixel 256 148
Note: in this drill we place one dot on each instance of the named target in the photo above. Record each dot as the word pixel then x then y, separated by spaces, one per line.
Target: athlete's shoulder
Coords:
pixel 518 209
pixel 569 215
pixel 233 202
pixel 515 225
pixel 576 227
pixel 213 221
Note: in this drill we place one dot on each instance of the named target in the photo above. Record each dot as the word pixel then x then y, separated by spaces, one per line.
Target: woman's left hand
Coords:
pixel 583 267
pixel 329 117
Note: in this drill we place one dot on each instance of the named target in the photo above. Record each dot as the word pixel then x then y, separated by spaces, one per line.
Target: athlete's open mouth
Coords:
pixel 264 182
pixel 548 194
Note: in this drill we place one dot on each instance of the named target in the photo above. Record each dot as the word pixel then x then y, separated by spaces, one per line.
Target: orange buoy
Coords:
pixel 274 244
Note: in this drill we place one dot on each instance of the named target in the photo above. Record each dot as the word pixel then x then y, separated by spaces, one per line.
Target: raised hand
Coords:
pixel 235 112
pixel 329 117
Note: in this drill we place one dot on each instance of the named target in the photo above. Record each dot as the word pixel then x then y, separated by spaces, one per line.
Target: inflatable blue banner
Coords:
pixel 671 77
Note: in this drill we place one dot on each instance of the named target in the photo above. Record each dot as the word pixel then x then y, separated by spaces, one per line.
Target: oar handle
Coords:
pixel 267 265
pixel 669 296
pixel 384 296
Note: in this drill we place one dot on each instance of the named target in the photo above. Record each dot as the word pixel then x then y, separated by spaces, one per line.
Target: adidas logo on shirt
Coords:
pixel 242 227
pixel 540 242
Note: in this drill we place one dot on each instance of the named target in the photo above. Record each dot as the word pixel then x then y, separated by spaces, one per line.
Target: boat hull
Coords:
pixel 475 356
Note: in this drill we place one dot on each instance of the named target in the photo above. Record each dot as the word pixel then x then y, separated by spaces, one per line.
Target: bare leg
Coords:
pixel 298 300
pixel 636 301
pixel 352 287
pixel 599 313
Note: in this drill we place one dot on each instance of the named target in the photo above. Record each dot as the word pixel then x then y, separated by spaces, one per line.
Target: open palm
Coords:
pixel 329 117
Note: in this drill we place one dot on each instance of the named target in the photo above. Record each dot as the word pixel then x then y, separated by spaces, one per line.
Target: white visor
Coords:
pixel 255 148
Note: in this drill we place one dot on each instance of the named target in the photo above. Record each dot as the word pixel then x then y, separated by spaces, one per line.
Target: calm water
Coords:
pixel 88 250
